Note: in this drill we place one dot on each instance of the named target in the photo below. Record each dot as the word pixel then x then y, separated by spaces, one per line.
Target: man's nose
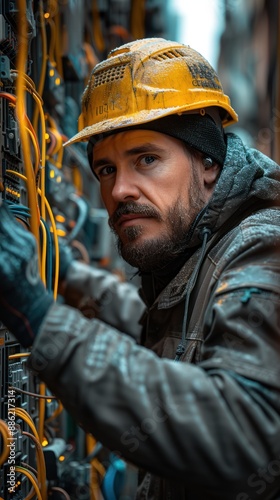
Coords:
pixel 125 186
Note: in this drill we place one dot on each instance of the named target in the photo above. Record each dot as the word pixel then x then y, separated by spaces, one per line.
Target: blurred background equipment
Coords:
pixel 47 51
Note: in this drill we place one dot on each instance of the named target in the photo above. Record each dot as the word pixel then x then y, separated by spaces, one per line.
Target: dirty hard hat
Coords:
pixel 146 80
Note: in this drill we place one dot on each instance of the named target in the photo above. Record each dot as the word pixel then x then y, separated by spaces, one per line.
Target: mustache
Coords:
pixel 133 208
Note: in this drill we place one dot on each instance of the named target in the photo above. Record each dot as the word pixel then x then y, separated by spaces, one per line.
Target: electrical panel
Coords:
pixel 47 51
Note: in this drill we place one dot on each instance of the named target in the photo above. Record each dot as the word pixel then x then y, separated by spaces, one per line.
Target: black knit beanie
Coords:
pixel 199 132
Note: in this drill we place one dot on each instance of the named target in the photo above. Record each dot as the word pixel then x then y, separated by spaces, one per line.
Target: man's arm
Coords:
pixel 101 294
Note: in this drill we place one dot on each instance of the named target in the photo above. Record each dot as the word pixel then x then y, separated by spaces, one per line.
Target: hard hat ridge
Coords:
pixel 145 80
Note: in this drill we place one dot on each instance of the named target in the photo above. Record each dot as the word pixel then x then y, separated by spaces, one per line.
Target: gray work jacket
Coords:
pixel 208 426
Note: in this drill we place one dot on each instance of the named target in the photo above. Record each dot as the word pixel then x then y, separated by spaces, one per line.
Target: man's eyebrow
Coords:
pixel 144 148
pixel 147 147
pixel 100 163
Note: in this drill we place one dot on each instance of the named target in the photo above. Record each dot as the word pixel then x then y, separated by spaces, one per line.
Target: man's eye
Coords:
pixel 105 171
pixel 147 159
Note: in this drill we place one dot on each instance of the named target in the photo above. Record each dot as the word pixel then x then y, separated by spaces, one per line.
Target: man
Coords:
pixel 197 406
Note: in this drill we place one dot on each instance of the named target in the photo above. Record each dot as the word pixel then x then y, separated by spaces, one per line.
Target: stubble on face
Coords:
pixel 155 253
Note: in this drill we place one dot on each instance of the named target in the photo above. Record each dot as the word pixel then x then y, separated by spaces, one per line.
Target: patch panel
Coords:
pixel 47 449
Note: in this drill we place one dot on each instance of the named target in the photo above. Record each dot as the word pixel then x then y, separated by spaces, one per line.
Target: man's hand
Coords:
pixel 24 300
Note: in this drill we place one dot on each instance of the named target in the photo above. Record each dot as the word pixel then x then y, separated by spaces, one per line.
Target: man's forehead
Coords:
pixel 127 139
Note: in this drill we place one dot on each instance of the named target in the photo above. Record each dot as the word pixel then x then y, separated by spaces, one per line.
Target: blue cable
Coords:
pixel 114 478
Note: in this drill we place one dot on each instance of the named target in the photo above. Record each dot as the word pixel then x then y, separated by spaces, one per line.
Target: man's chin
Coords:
pixel 146 254
pixel 133 252
pixel 130 235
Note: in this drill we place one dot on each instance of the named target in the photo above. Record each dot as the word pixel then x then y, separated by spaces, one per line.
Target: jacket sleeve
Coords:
pixel 215 426
pixel 99 293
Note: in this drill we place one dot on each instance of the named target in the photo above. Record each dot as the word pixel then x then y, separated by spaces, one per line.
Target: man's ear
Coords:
pixel 211 171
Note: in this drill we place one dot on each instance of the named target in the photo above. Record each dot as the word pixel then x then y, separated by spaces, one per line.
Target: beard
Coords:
pixel 155 253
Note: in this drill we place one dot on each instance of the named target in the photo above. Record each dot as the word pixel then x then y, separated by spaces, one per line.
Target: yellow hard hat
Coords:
pixel 148 79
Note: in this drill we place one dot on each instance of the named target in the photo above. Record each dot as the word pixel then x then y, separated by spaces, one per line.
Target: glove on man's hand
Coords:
pixel 24 300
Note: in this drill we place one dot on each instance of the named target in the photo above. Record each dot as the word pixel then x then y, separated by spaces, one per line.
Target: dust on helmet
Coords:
pixel 148 79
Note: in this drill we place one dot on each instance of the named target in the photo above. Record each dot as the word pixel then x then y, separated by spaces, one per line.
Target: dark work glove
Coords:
pixel 24 300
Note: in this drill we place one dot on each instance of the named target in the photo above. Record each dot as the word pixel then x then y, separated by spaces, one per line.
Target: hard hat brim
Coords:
pixel 142 117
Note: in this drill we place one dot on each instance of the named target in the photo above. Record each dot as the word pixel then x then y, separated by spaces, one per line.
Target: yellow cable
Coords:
pixel 37 155
pixel 43 62
pixel 90 443
pixel 60 156
pixel 30 495
pixel 42 476
pixel 20 110
pixel 19 355
pixel 42 402
pixel 41 466
pixel 28 81
pixel 97 470
pixel 52 42
pixel 20 412
pixel 5 432
pixel 32 479
pixel 137 28
pixel 44 253
pixel 97 28
pixel 58 43
pixel 97 473
pixel 43 158
pixel 30 87
pixel 77 180
pixel 56 246
pixel 56 412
